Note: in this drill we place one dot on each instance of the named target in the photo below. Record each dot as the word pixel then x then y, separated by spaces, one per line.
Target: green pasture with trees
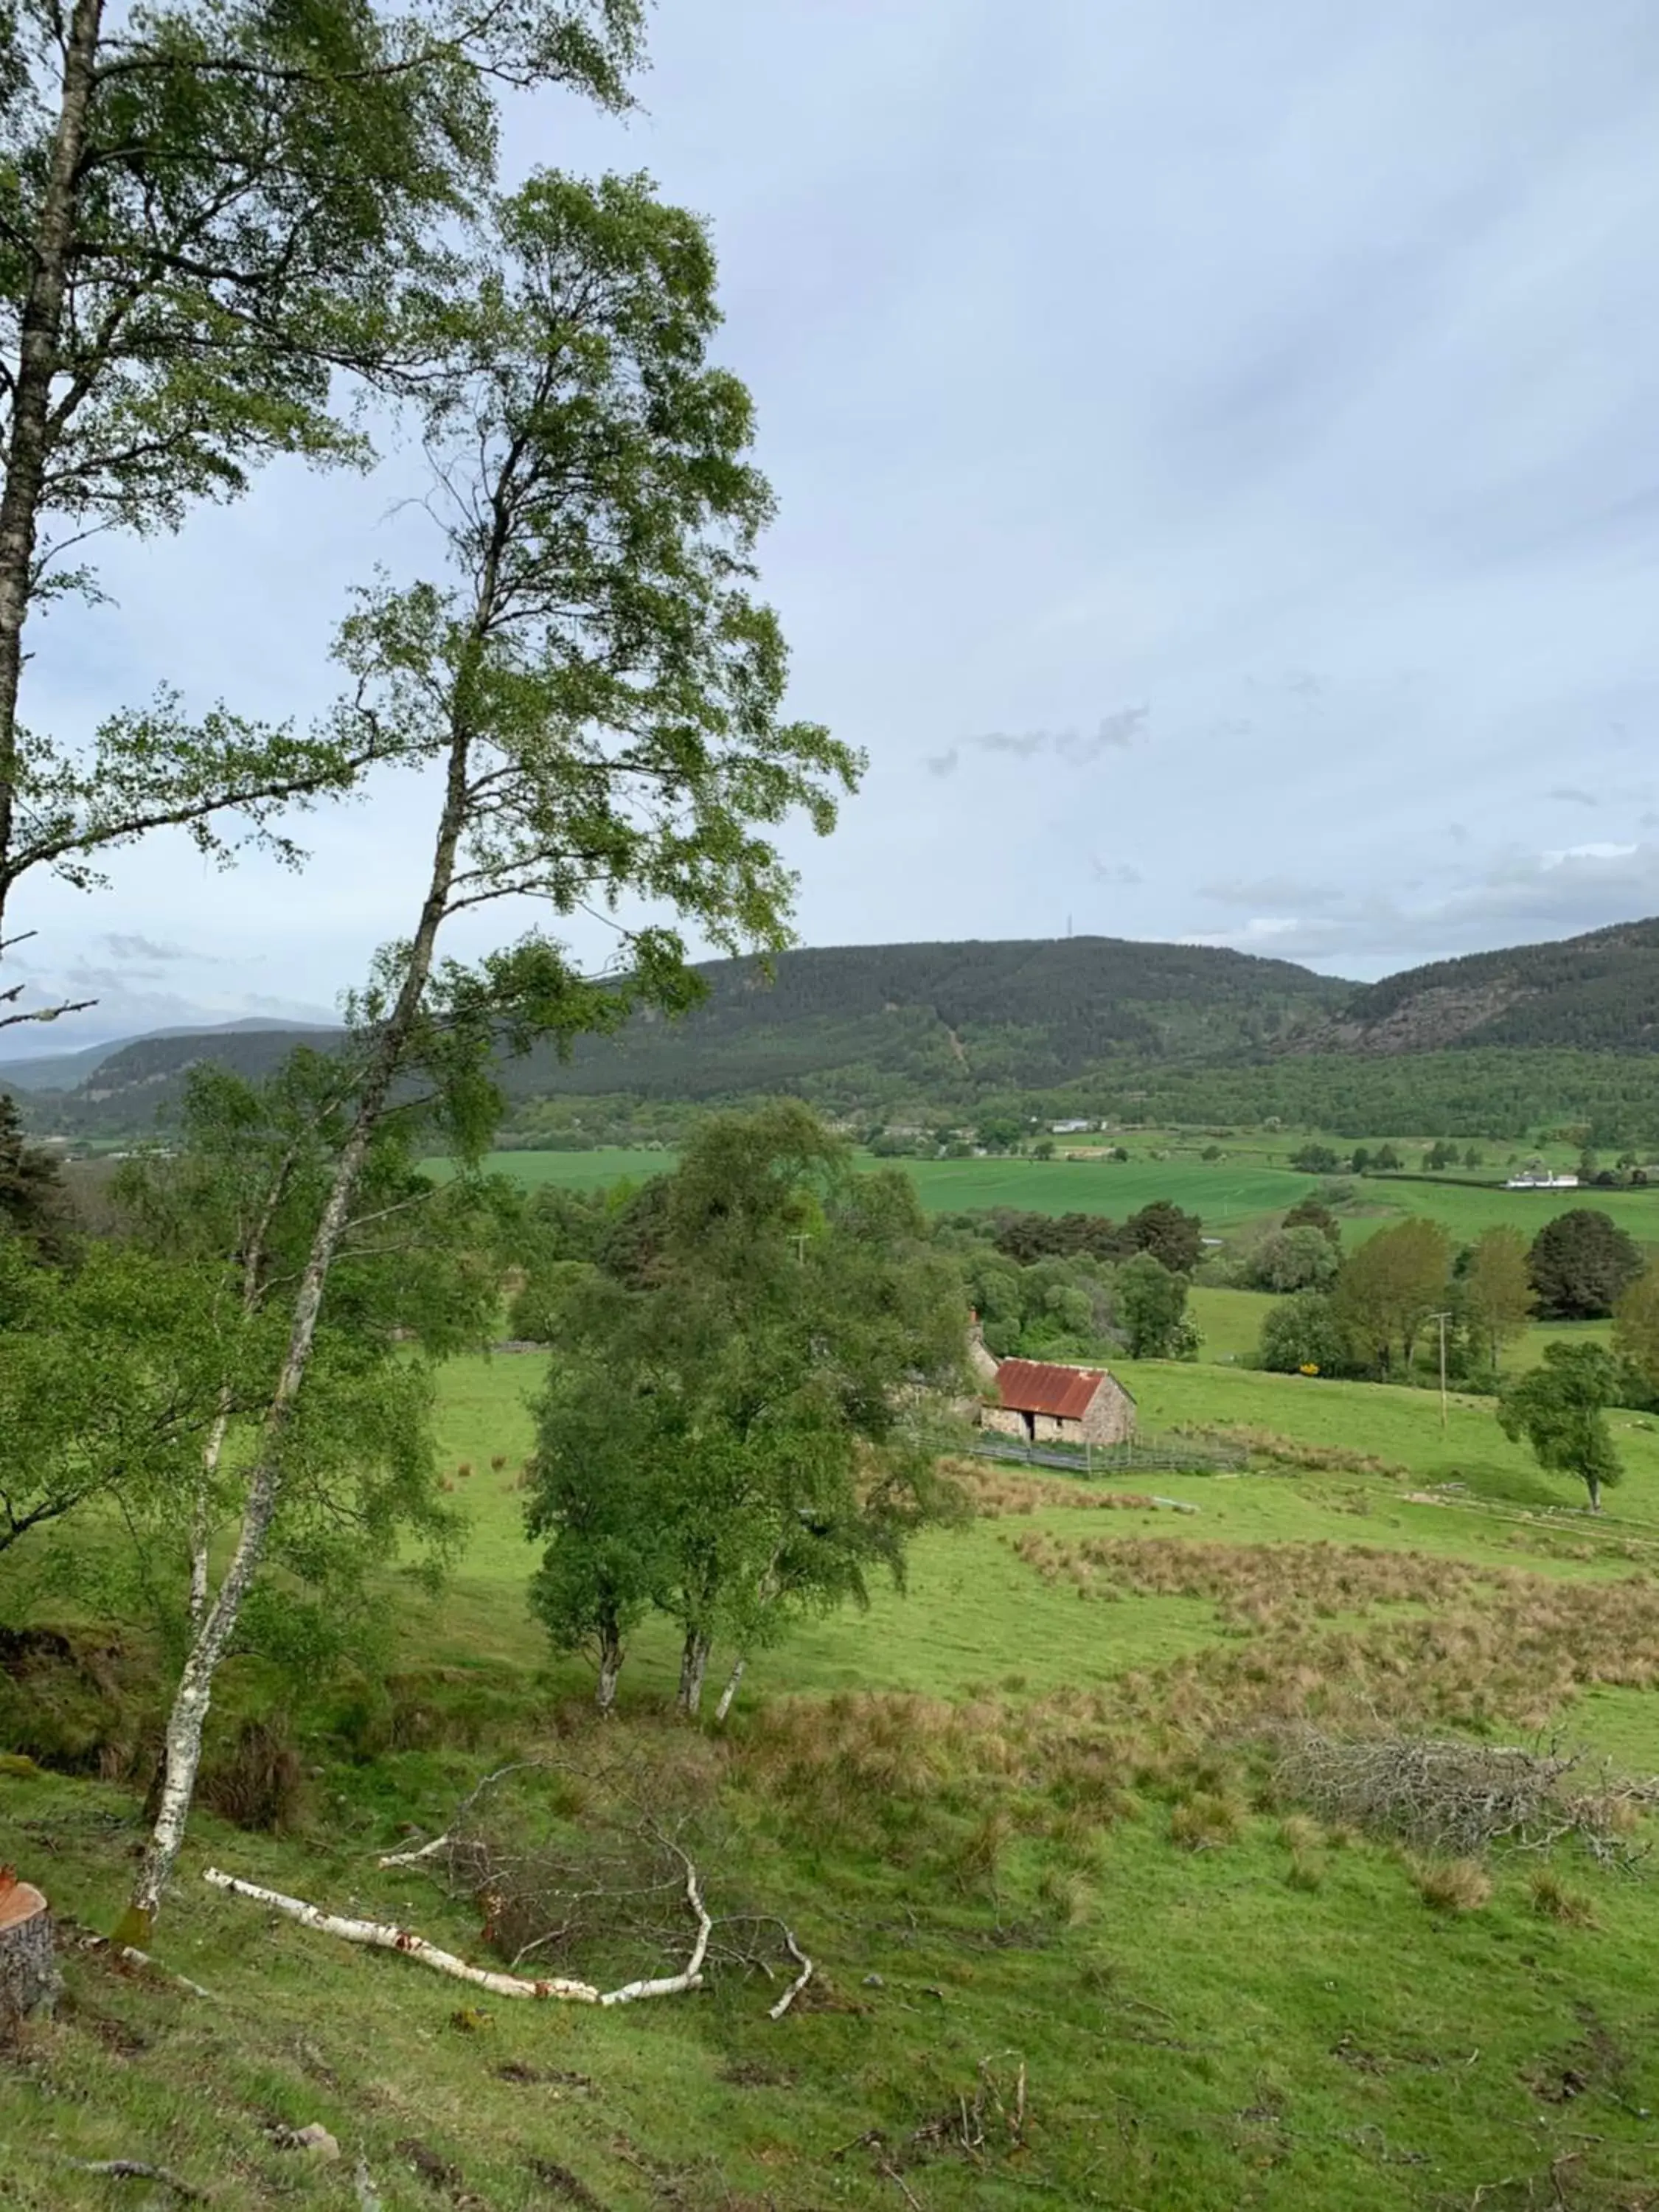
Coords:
pixel 1228 1195
pixel 353 1724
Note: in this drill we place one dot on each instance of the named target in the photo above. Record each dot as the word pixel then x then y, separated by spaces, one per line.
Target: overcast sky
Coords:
pixel 1219 480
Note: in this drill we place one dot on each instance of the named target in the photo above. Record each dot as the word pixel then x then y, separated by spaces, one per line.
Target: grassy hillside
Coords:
pixel 978 1806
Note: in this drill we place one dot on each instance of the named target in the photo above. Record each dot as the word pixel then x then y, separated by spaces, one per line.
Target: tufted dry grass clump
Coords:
pixel 1292 1451
pixel 1255 1586
pixel 1553 1899
pixel 1451 1885
pixel 1515 1656
pixel 994 1492
pixel 1204 1820
pixel 899 1770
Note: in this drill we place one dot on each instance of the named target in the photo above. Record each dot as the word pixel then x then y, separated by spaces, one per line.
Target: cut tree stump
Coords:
pixel 28 1971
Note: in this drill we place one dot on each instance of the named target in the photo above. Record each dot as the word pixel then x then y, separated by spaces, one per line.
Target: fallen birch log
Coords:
pixel 777 2011
pixel 381 1935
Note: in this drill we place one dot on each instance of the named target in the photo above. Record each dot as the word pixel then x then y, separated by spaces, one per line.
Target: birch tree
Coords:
pixel 416 1277
pixel 749 1435
pixel 110 1377
pixel 596 696
pixel 218 221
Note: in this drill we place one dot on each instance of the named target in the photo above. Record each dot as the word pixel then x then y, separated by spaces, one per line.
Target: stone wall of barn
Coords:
pixel 1109 1417
pixel 1004 1420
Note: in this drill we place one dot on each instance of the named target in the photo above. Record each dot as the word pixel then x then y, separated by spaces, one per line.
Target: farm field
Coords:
pixel 978 1806
pixel 1228 1197
pixel 1231 1323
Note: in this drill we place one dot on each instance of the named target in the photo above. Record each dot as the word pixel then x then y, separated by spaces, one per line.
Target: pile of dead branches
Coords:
pixel 580 1868
pixel 1460 1798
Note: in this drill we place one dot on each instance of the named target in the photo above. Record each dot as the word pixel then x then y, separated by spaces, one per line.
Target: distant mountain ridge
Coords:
pixel 1597 993
pixel 944 1019
pixel 63 1071
pixel 857 1027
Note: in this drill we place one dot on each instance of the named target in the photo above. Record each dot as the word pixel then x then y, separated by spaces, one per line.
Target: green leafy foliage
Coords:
pixel 1302 1258
pixel 218 224
pixel 1304 1332
pixel 1561 1411
pixel 1388 1288
pixel 34 1204
pixel 1581 1265
pixel 110 1374
pixel 1495 1289
pixel 1151 1306
pixel 740 1432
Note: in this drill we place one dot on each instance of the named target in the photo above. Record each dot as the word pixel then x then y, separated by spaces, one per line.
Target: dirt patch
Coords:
pixel 566 2187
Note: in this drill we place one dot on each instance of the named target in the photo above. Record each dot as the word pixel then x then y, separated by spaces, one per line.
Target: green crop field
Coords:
pixel 1015 1817
pixel 1228 1196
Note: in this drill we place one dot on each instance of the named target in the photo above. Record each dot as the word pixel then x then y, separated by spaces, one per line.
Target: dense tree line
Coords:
pixel 1370 1312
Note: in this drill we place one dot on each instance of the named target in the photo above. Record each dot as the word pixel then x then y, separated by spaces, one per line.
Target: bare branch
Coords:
pixel 381 1935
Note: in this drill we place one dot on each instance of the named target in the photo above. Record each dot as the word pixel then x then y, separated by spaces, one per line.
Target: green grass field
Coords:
pixel 1014 1816
pixel 1227 1195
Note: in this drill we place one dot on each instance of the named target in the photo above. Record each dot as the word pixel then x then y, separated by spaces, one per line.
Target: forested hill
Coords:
pixel 1599 992
pixel 951 1018
pixel 886 1027
pixel 934 1021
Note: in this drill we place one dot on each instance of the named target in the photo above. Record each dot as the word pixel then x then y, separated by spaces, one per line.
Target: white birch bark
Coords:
pixel 610 1662
pixel 381 1935
pixel 694 1665
pixel 188 1718
pixel 729 1692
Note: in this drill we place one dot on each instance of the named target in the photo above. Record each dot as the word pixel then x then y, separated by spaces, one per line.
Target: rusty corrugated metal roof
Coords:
pixel 1031 1386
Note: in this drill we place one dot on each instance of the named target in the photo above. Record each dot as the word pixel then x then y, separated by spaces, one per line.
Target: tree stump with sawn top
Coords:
pixel 28 1971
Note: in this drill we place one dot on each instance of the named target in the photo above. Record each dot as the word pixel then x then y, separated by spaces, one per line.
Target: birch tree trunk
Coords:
pixel 610 1661
pixel 729 1692
pixel 201 1529
pixel 201 1526
pixel 694 1665
pixel 39 345
pixel 188 1718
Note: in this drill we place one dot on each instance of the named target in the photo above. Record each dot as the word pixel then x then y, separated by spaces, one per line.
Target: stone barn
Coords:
pixel 1051 1405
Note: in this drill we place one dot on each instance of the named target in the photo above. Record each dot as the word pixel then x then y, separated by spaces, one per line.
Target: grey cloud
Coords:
pixel 1572 796
pixel 136 947
pixel 1114 732
pixel 1517 898
pixel 1106 871
pixel 944 763
pixel 86 975
pixel 1271 893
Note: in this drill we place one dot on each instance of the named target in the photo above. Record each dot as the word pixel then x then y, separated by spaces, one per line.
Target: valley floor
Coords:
pixel 1028 1820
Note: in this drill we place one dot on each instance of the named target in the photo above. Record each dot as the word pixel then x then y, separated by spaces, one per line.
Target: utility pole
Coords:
pixel 1443 1318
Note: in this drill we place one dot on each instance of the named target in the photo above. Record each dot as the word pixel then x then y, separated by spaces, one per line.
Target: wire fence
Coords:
pixel 1147 1454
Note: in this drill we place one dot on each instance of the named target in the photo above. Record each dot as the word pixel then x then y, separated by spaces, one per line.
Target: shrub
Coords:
pixel 260 1783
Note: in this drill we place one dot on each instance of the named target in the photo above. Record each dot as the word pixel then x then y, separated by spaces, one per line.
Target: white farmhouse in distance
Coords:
pixel 1541 1180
